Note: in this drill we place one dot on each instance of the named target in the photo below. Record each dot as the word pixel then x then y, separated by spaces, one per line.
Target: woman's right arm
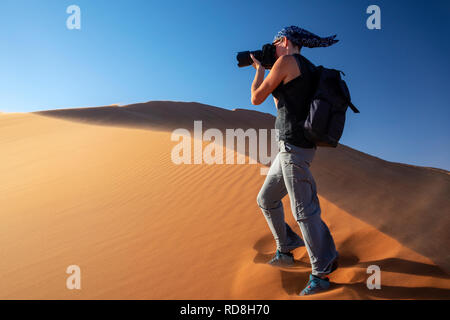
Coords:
pixel 276 75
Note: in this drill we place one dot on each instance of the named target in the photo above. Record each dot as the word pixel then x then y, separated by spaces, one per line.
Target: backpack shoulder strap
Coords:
pixel 305 64
pixel 352 106
pixel 299 63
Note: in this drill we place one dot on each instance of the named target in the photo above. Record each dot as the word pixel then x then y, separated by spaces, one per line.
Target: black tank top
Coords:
pixel 293 104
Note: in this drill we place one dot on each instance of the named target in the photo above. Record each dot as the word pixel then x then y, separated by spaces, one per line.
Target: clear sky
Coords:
pixel 130 51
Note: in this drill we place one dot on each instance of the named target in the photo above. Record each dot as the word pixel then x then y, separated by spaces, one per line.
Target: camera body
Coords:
pixel 267 56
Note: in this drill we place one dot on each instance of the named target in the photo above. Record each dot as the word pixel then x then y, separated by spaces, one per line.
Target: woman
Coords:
pixel 291 82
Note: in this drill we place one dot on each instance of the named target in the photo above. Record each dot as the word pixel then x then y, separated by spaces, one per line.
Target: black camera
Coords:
pixel 267 56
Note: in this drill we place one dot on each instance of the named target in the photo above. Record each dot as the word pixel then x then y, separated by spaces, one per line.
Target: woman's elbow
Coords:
pixel 256 100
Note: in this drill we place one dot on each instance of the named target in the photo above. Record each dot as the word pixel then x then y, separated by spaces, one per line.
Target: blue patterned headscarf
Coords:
pixel 304 38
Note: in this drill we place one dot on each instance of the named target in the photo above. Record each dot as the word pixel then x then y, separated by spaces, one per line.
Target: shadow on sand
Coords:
pixel 294 279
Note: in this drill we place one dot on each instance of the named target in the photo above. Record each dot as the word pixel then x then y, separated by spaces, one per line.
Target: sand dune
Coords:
pixel 96 187
pixel 166 116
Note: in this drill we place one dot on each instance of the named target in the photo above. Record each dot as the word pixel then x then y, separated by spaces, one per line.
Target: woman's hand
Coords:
pixel 259 78
pixel 256 64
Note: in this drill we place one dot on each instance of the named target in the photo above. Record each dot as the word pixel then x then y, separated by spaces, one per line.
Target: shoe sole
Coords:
pixel 313 293
pixel 282 265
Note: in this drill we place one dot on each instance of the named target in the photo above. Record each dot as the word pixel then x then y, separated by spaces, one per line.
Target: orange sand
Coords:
pixel 109 199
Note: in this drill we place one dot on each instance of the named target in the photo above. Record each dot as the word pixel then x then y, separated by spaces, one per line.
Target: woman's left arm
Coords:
pixel 261 88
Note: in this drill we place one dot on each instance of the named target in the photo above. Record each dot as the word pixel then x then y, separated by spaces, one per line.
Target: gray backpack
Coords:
pixel 326 119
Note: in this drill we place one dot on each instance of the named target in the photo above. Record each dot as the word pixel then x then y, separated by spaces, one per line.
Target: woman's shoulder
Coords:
pixel 296 59
pixel 285 60
pixel 289 63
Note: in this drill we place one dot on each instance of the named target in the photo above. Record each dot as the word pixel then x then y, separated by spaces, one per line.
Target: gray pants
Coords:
pixel 290 174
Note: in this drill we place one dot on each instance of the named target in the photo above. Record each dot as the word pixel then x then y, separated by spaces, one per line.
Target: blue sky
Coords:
pixel 141 50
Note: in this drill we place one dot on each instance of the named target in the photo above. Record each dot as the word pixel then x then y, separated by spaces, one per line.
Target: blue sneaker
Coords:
pixel 282 259
pixel 315 285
